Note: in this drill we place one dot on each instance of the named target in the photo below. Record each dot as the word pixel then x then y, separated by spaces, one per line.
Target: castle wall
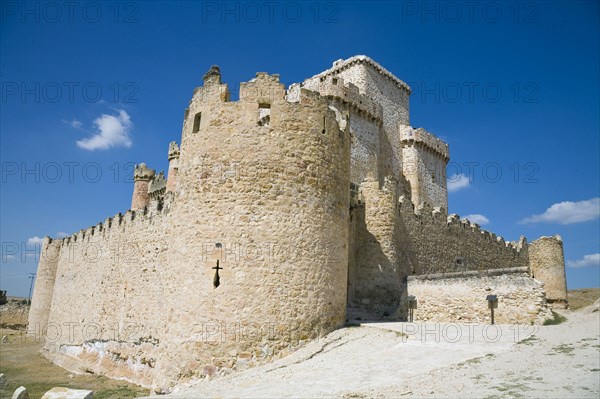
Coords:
pixel 392 241
pixel 43 291
pixel 548 265
pixel 378 279
pixel 462 298
pixel 433 243
pixel 365 148
pixel 275 197
pixel 365 134
pixel 108 310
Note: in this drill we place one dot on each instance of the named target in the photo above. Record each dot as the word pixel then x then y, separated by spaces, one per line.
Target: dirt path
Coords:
pixel 430 360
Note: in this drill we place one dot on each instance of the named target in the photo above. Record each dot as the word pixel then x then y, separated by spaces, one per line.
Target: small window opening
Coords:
pixel 264 114
pixel 197 119
pixel 335 81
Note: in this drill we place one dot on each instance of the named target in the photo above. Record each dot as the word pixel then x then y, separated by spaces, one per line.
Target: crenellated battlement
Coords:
pixel 120 221
pixel 341 65
pixel 333 87
pixel 432 221
pixel 420 137
pixel 158 186
pixel 142 172
pixel 266 89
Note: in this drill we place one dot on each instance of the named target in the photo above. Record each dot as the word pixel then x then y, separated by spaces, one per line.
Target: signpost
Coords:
pixel 412 305
pixel 492 304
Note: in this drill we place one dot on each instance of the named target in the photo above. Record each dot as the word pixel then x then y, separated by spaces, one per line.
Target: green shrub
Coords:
pixel 556 319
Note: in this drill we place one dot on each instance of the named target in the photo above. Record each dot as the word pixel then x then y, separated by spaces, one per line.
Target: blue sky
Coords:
pixel 512 87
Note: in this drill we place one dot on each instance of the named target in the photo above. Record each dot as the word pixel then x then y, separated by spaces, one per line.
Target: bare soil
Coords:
pixel 583 297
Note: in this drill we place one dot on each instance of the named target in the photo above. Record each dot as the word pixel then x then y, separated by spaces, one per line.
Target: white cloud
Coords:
pixel 75 124
pixel 112 131
pixel 586 261
pixel 568 212
pixel 61 234
pixel 35 240
pixel 477 218
pixel 458 182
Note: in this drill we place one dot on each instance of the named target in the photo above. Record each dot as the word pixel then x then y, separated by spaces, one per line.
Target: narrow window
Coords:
pixel 264 114
pixel 197 118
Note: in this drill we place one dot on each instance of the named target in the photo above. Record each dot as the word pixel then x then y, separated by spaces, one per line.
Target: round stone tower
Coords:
pixel 424 160
pixel 260 225
pixel 547 263
pixel 173 166
pixel 141 178
pixel 44 287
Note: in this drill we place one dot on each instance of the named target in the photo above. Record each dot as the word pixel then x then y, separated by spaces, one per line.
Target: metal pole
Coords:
pixel 492 314
pixel 31 277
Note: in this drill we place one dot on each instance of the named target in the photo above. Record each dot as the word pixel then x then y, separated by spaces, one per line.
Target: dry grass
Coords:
pixel 22 364
pixel 582 297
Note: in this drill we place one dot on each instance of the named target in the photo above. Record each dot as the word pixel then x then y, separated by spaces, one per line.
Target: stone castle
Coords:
pixel 283 215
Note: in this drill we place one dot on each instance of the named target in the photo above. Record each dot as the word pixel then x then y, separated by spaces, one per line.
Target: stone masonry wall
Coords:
pixel 108 310
pixel 432 242
pixel 365 148
pixel 462 299
pixel 377 277
pixel 392 241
